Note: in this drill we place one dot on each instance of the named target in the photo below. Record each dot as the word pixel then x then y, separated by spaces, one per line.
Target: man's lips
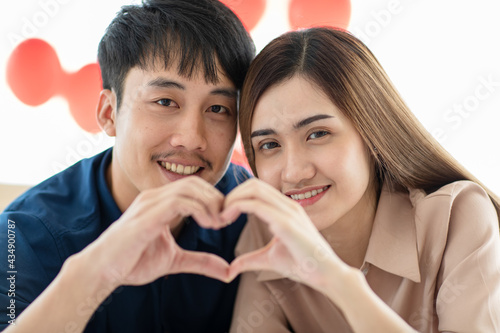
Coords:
pixel 180 169
pixel 182 164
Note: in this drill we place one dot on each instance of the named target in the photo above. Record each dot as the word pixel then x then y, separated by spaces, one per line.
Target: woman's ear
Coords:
pixel 106 112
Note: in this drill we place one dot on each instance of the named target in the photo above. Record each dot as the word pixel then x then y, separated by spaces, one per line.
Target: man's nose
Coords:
pixel 190 132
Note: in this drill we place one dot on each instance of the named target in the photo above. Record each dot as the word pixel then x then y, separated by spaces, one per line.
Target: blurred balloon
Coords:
pixel 35 75
pixel 239 156
pixel 308 13
pixel 249 11
pixel 82 92
pixel 34 72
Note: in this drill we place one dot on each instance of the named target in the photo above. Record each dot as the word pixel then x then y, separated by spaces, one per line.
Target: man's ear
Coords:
pixel 106 112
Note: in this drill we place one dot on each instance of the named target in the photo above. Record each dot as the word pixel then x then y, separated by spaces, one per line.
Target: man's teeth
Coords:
pixel 308 194
pixel 180 169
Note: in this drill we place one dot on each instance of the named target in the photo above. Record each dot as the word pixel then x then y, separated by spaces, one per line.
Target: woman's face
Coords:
pixel 306 148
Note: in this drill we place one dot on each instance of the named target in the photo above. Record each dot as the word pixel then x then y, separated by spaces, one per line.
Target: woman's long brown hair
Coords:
pixel 405 154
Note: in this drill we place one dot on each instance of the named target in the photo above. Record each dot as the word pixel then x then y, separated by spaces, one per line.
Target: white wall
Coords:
pixel 444 57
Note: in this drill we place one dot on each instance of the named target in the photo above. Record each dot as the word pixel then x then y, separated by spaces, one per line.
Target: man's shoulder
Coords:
pixel 234 176
pixel 62 197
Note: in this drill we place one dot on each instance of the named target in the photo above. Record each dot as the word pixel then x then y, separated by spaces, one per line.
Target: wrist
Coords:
pixel 87 282
pixel 72 297
pixel 347 283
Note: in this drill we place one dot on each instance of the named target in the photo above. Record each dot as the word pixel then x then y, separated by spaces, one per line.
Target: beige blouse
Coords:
pixel 434 259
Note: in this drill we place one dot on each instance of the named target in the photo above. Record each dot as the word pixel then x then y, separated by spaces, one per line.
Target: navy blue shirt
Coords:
pixel 65 213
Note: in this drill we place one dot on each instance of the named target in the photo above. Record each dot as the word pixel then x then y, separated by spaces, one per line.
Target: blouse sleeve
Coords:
pixel 256 308
pixel 468 284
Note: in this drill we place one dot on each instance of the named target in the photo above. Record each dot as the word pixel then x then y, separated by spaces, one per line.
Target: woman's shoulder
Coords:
pixel 452 196
pixel 462 207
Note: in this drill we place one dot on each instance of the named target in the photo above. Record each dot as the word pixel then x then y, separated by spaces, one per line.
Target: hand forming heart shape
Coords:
pixel 279 235
pixel 140 247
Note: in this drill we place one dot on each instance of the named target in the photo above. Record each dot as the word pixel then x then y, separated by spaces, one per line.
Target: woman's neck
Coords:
pixel 349 236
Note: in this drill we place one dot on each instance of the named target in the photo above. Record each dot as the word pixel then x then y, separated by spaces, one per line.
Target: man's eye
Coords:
pixel 218 109
pixel 166 102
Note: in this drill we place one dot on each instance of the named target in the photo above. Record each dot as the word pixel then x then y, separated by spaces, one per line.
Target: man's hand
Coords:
pixel 136 249
pixel 139 247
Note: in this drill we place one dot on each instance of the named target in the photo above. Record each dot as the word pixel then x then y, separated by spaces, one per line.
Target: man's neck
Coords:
pixel 122 198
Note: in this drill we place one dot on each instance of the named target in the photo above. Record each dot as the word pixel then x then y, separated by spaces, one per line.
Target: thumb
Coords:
pixel 207 264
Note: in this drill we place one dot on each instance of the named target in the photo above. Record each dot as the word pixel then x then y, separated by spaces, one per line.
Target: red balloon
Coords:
pixel 309 13
pixel 35 75
pixel 249 11
pixel 33 72
pixel 239 156
pixel 82 92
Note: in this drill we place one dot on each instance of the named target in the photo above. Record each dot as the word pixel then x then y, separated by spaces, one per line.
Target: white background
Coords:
pixel 440 55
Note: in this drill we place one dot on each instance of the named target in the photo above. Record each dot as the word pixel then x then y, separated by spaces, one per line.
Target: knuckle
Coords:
pixel 297 208
pixel 144 196
pixel 254 186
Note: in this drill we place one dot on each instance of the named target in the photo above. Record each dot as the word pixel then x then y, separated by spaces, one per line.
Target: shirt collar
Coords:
pixel 393 243
pixel 109 209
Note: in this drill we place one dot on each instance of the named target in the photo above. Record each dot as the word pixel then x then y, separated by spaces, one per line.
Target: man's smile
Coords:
pixel 180 168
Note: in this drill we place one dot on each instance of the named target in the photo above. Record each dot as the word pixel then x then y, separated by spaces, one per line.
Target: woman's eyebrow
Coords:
pixel 308 120
pixel 300 124
pixel 262 132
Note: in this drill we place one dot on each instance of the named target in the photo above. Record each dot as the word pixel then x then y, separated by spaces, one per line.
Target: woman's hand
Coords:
pixel 297 249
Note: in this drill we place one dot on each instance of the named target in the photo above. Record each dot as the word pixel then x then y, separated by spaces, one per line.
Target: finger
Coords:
pixel 190 188
pixel 281 221
pixel 199 211
pixel 206 264
pixel 205 193
pixel 160 208
pixel 258 189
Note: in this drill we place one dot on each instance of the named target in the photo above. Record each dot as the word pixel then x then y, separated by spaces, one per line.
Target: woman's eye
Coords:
pixel 218 109
pixel 317 134
pixel 268 145
pixel 166 102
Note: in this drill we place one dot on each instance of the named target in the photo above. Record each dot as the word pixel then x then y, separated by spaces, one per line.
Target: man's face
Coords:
pixel 169 127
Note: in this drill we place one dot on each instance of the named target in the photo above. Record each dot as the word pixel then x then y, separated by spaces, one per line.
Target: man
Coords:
pixel 171 72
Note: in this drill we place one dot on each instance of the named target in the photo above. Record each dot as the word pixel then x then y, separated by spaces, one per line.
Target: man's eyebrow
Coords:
pixel 165 83
pixel 312 119
pixel 229 93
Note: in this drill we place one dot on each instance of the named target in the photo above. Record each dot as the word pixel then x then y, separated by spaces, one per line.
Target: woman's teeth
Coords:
pixel 307 195
pixel 180 169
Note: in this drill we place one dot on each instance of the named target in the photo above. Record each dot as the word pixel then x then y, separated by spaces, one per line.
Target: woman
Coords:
pixel 380 229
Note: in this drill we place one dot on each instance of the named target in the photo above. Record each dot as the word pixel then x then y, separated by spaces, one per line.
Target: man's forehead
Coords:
pixel 192 70
pixel 141 79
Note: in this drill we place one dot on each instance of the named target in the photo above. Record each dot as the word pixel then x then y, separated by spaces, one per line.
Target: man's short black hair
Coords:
pixel 194 33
